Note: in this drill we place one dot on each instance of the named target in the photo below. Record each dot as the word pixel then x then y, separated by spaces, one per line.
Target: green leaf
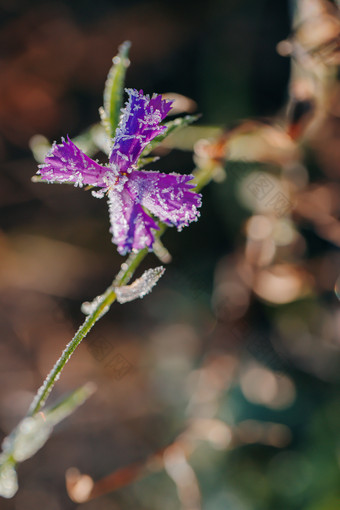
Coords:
pixel 68 404
pixel 140 287
pixel 32 433
pixel 8 477
pixel 114 88
pixel 161 252
pixel 38 178
pixel 172 126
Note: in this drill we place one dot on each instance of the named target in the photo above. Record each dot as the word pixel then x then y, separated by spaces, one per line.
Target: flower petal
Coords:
pixel 167 196
pixel 66 163
pixel 130 224
pixel 139 125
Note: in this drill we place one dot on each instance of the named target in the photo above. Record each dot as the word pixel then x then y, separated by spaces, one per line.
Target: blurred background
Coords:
pixel 220 390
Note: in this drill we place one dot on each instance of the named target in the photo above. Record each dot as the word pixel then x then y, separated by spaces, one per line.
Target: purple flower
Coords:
pixel 132 194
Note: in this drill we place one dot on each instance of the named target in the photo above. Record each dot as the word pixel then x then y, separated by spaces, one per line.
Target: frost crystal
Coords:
pixel 89 306
pixel 140 287
pixel 132 194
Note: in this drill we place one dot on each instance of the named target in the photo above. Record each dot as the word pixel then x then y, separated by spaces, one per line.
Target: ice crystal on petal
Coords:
pixel 139 124
pixel 132 193
pixel 130 224
pixel 65 162
pixel 169 197
pixel 140 287
pixel 98 194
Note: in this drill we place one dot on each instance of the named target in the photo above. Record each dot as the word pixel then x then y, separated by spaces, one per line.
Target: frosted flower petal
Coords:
pixel 130 225
pixel 139 125
pixel 169 197
pixel 65 162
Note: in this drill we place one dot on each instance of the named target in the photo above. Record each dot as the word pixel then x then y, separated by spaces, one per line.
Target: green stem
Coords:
pixel 101 306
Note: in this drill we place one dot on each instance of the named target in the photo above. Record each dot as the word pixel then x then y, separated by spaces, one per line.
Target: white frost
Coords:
pixel 31 435
pixel 8 479
pixel 140 287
